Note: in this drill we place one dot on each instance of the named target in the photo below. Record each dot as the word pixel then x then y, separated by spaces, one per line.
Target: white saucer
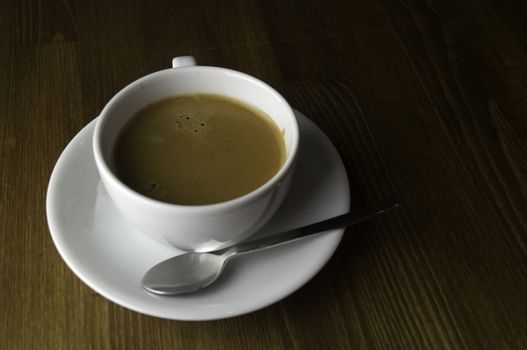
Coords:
pixel 111 257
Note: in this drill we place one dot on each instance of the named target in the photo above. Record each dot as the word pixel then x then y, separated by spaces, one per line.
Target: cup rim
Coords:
pixel 104 168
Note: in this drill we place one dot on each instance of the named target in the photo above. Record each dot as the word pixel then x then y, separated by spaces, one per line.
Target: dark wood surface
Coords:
pixel 423 99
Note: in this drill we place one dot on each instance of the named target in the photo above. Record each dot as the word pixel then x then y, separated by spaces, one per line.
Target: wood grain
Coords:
pixel 423 99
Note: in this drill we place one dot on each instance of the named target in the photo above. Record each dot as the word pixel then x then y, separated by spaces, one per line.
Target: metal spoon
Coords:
pixel 192 271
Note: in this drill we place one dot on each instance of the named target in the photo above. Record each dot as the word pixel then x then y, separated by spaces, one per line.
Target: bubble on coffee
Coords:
pixel 190 123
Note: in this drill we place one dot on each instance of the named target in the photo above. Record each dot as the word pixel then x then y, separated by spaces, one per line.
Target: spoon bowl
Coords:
pixel 193 270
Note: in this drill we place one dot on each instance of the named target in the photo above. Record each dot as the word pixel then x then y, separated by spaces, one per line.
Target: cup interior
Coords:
pixel 189 80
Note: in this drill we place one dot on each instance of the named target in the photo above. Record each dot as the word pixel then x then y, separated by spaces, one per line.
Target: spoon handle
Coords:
pixel 340 221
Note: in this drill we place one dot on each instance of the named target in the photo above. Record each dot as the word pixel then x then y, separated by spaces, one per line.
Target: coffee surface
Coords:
pixel 198 149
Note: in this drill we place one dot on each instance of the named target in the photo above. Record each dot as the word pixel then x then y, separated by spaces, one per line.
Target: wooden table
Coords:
pixel 423 99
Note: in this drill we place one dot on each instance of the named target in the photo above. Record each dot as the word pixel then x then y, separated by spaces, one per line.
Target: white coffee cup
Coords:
pixel 195 227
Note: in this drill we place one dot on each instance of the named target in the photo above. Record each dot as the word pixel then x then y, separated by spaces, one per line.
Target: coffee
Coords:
pixel 198 149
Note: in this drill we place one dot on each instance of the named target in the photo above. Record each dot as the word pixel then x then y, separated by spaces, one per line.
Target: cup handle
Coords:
pixel 183 61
